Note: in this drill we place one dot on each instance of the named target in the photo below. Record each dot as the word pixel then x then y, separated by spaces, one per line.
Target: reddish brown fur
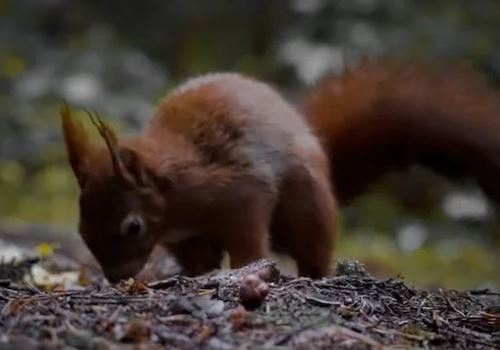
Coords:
pixel 228 165
pixel 380 118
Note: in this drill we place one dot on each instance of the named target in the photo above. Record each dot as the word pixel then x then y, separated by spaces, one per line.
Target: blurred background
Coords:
pixel 120 60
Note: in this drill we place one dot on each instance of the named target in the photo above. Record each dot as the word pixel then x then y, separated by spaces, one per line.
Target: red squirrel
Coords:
pixel 226 164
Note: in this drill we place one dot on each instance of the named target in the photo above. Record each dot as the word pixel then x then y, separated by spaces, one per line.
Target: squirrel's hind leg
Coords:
pixel 304 220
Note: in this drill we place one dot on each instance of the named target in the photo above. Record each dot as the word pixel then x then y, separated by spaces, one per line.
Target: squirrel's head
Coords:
pixel 120 202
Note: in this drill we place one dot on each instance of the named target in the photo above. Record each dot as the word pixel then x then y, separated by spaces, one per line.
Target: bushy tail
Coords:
pixel 379 118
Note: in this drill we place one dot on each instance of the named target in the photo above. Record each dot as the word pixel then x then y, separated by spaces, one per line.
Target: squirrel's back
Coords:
pixel 234 121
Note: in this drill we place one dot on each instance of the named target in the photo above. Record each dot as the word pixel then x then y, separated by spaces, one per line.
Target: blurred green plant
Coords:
pixel 48 195
pixel 430 266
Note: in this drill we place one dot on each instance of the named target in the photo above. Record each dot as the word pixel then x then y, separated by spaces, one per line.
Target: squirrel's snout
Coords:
pixel 116 273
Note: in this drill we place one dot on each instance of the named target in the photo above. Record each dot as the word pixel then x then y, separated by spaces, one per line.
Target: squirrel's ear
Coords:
pixel 127 164
pixel 135 169
pixel 78 146
pixel 137 173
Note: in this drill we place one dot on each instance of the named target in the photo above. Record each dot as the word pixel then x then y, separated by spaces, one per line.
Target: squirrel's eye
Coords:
pixel 132 226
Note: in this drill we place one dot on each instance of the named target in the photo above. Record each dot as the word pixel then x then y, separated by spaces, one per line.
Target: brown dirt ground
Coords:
pixel 230 310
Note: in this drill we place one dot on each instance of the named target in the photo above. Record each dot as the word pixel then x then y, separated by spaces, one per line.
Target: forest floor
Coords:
pixel 256 307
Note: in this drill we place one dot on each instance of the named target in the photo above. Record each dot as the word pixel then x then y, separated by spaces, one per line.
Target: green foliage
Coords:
pixel 457 266
pixel 47 195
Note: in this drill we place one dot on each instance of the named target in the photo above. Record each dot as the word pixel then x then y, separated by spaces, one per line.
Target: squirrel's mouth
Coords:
pixel 123 270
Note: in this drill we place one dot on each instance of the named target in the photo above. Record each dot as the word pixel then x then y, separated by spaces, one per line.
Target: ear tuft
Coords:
pixel 120 168
pixel 127 163
pixel 78 146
